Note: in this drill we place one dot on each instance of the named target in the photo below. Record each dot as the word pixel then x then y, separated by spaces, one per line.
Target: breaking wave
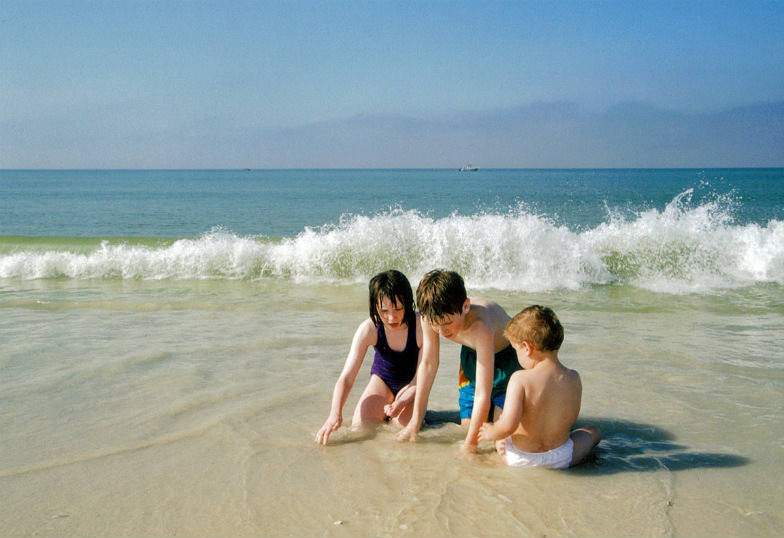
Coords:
pixel 682 248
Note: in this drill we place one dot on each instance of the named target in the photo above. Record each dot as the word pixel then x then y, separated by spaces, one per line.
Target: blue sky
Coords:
pixel 316 84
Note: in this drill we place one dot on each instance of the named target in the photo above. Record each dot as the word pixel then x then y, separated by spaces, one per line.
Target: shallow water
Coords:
pixel 132 408
pixel 169 343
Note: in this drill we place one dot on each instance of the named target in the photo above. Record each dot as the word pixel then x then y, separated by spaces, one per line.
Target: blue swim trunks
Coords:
pixel 466 401
pixel 505 365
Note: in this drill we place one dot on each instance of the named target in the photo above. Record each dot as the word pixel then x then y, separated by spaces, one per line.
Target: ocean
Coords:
pixel 169 341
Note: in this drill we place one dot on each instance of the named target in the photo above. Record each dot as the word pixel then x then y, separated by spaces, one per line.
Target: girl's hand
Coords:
pixel 403 398
pixel 392 410
pixel 330 425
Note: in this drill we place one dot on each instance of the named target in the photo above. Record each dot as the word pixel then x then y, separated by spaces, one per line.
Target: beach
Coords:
pixel 164 371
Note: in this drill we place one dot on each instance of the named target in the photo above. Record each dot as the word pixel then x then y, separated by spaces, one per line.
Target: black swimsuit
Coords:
pixel 395 368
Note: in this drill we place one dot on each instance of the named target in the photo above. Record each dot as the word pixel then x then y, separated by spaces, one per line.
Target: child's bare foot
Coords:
pixel 500 447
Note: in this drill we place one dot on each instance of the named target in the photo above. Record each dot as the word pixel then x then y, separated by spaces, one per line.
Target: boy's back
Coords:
pixel 543 400
pixel 549 395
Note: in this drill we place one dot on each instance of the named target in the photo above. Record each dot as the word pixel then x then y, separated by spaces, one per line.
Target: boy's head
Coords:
pixel 440 294
pixel 537 325
pixel 394 286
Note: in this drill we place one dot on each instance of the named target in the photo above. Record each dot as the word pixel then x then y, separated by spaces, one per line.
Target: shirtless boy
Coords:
pixel 486 358
pixel 542 401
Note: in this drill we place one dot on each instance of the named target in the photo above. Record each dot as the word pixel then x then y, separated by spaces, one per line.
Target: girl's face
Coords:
pixel 391 312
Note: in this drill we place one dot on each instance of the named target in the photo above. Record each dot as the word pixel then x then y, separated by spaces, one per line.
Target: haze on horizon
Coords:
pixel 351 84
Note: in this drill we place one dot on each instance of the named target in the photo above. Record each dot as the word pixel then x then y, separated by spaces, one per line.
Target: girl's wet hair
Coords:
pixel 394 286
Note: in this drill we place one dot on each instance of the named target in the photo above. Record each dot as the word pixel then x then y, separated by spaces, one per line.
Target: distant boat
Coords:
pixel 469 168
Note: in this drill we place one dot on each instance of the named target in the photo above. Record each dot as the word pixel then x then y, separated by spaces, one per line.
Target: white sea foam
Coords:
pixel 682 248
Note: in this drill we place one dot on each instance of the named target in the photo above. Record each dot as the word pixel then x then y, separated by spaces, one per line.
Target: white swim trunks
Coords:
pixel 557 458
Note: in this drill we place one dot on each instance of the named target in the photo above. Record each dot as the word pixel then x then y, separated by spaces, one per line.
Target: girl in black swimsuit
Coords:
pixel 394 330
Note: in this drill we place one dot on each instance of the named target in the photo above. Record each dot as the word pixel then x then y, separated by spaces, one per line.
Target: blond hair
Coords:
pixel 537 325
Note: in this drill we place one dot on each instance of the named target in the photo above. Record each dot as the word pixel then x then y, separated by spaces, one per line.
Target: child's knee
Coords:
pixel 588 436
pixel 596 434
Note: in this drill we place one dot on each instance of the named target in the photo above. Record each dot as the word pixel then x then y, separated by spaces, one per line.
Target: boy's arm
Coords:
pixel 485 363
pixel 509 420
pixel 426 373
pixel 363 338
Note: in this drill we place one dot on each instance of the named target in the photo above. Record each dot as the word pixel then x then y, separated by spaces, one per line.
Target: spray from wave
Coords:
pixel 682 248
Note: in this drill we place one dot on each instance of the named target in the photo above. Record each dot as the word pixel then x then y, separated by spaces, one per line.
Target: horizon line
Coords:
pixel 381 168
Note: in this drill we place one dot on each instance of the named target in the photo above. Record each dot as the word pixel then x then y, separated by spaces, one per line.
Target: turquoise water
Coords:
pixel 281 203
pixel 526 230
pixel 169 341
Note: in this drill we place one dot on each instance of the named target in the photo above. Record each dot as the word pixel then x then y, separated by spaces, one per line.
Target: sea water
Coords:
pixel 169 341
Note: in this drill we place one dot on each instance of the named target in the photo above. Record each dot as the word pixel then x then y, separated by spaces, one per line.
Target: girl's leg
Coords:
pixel 370 407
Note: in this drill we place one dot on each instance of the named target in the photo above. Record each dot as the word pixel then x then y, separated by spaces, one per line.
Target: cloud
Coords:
pixel 542 135
pixel 559 134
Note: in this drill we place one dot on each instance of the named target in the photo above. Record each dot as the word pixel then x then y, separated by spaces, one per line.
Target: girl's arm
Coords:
pixel 406 395
pixel 425 375
pixel 403 399
pixel 364 337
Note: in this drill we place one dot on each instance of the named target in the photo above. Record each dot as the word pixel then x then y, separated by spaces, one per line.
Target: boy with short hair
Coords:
pixel 486 358
pixel 542 401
